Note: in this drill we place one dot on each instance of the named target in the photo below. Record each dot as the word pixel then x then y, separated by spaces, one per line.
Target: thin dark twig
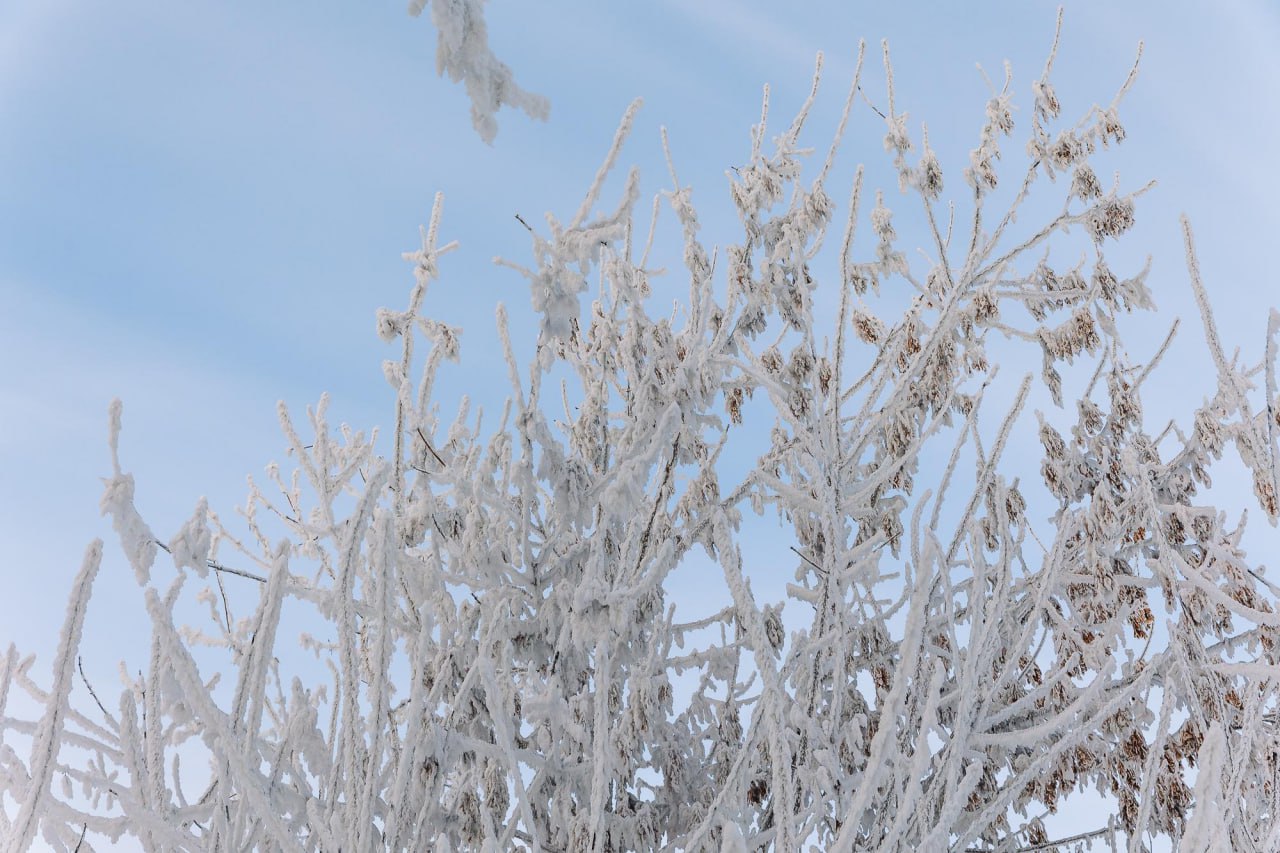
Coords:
pixel 84 830
pixel 226 605
pixel 218 567
pixel 818 568
pixel 429 447
pixel 657 503
pixel 80 666
pixel 874 108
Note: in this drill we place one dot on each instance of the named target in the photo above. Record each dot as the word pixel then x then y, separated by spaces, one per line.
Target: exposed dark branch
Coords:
pixel 430 448
pixel 874 108
pixel 816 567
pixel 657 503
pixel 80 666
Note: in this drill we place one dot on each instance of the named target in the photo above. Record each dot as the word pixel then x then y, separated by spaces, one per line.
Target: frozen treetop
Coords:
pixel 973 641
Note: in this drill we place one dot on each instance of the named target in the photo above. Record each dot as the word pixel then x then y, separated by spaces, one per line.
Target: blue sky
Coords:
pixel 203 204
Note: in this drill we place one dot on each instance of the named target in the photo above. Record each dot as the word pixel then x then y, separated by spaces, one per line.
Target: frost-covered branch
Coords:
pixel 495 655
pixel 463 52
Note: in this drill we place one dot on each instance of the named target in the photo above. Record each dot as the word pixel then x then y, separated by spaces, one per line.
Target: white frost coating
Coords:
pixel 564 259
pixel 241 775
pixel 1272 410
pixel 1210 830
pixel 190 547
pixel 47 739
pixel 969 641
pixel 463 53
pixel 731 838
pixel 136 538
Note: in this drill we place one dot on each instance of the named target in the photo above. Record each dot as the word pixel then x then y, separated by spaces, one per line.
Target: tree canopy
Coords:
pixel 997 612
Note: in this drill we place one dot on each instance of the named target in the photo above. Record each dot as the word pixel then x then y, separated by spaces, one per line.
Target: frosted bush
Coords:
pixel 969 645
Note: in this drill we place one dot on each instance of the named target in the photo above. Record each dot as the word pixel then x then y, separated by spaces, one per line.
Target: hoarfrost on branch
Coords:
pixel 962 653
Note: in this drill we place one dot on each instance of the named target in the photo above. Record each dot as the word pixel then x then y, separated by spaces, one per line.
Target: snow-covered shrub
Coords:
pixel 970 642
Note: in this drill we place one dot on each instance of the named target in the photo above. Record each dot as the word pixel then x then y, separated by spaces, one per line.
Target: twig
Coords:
pixel 657 503
pixel 874 108
pixel 424 438
pixel 1048 845
pixel 816 567
pixel 218 567
pixel 80 666
pixel 226 605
